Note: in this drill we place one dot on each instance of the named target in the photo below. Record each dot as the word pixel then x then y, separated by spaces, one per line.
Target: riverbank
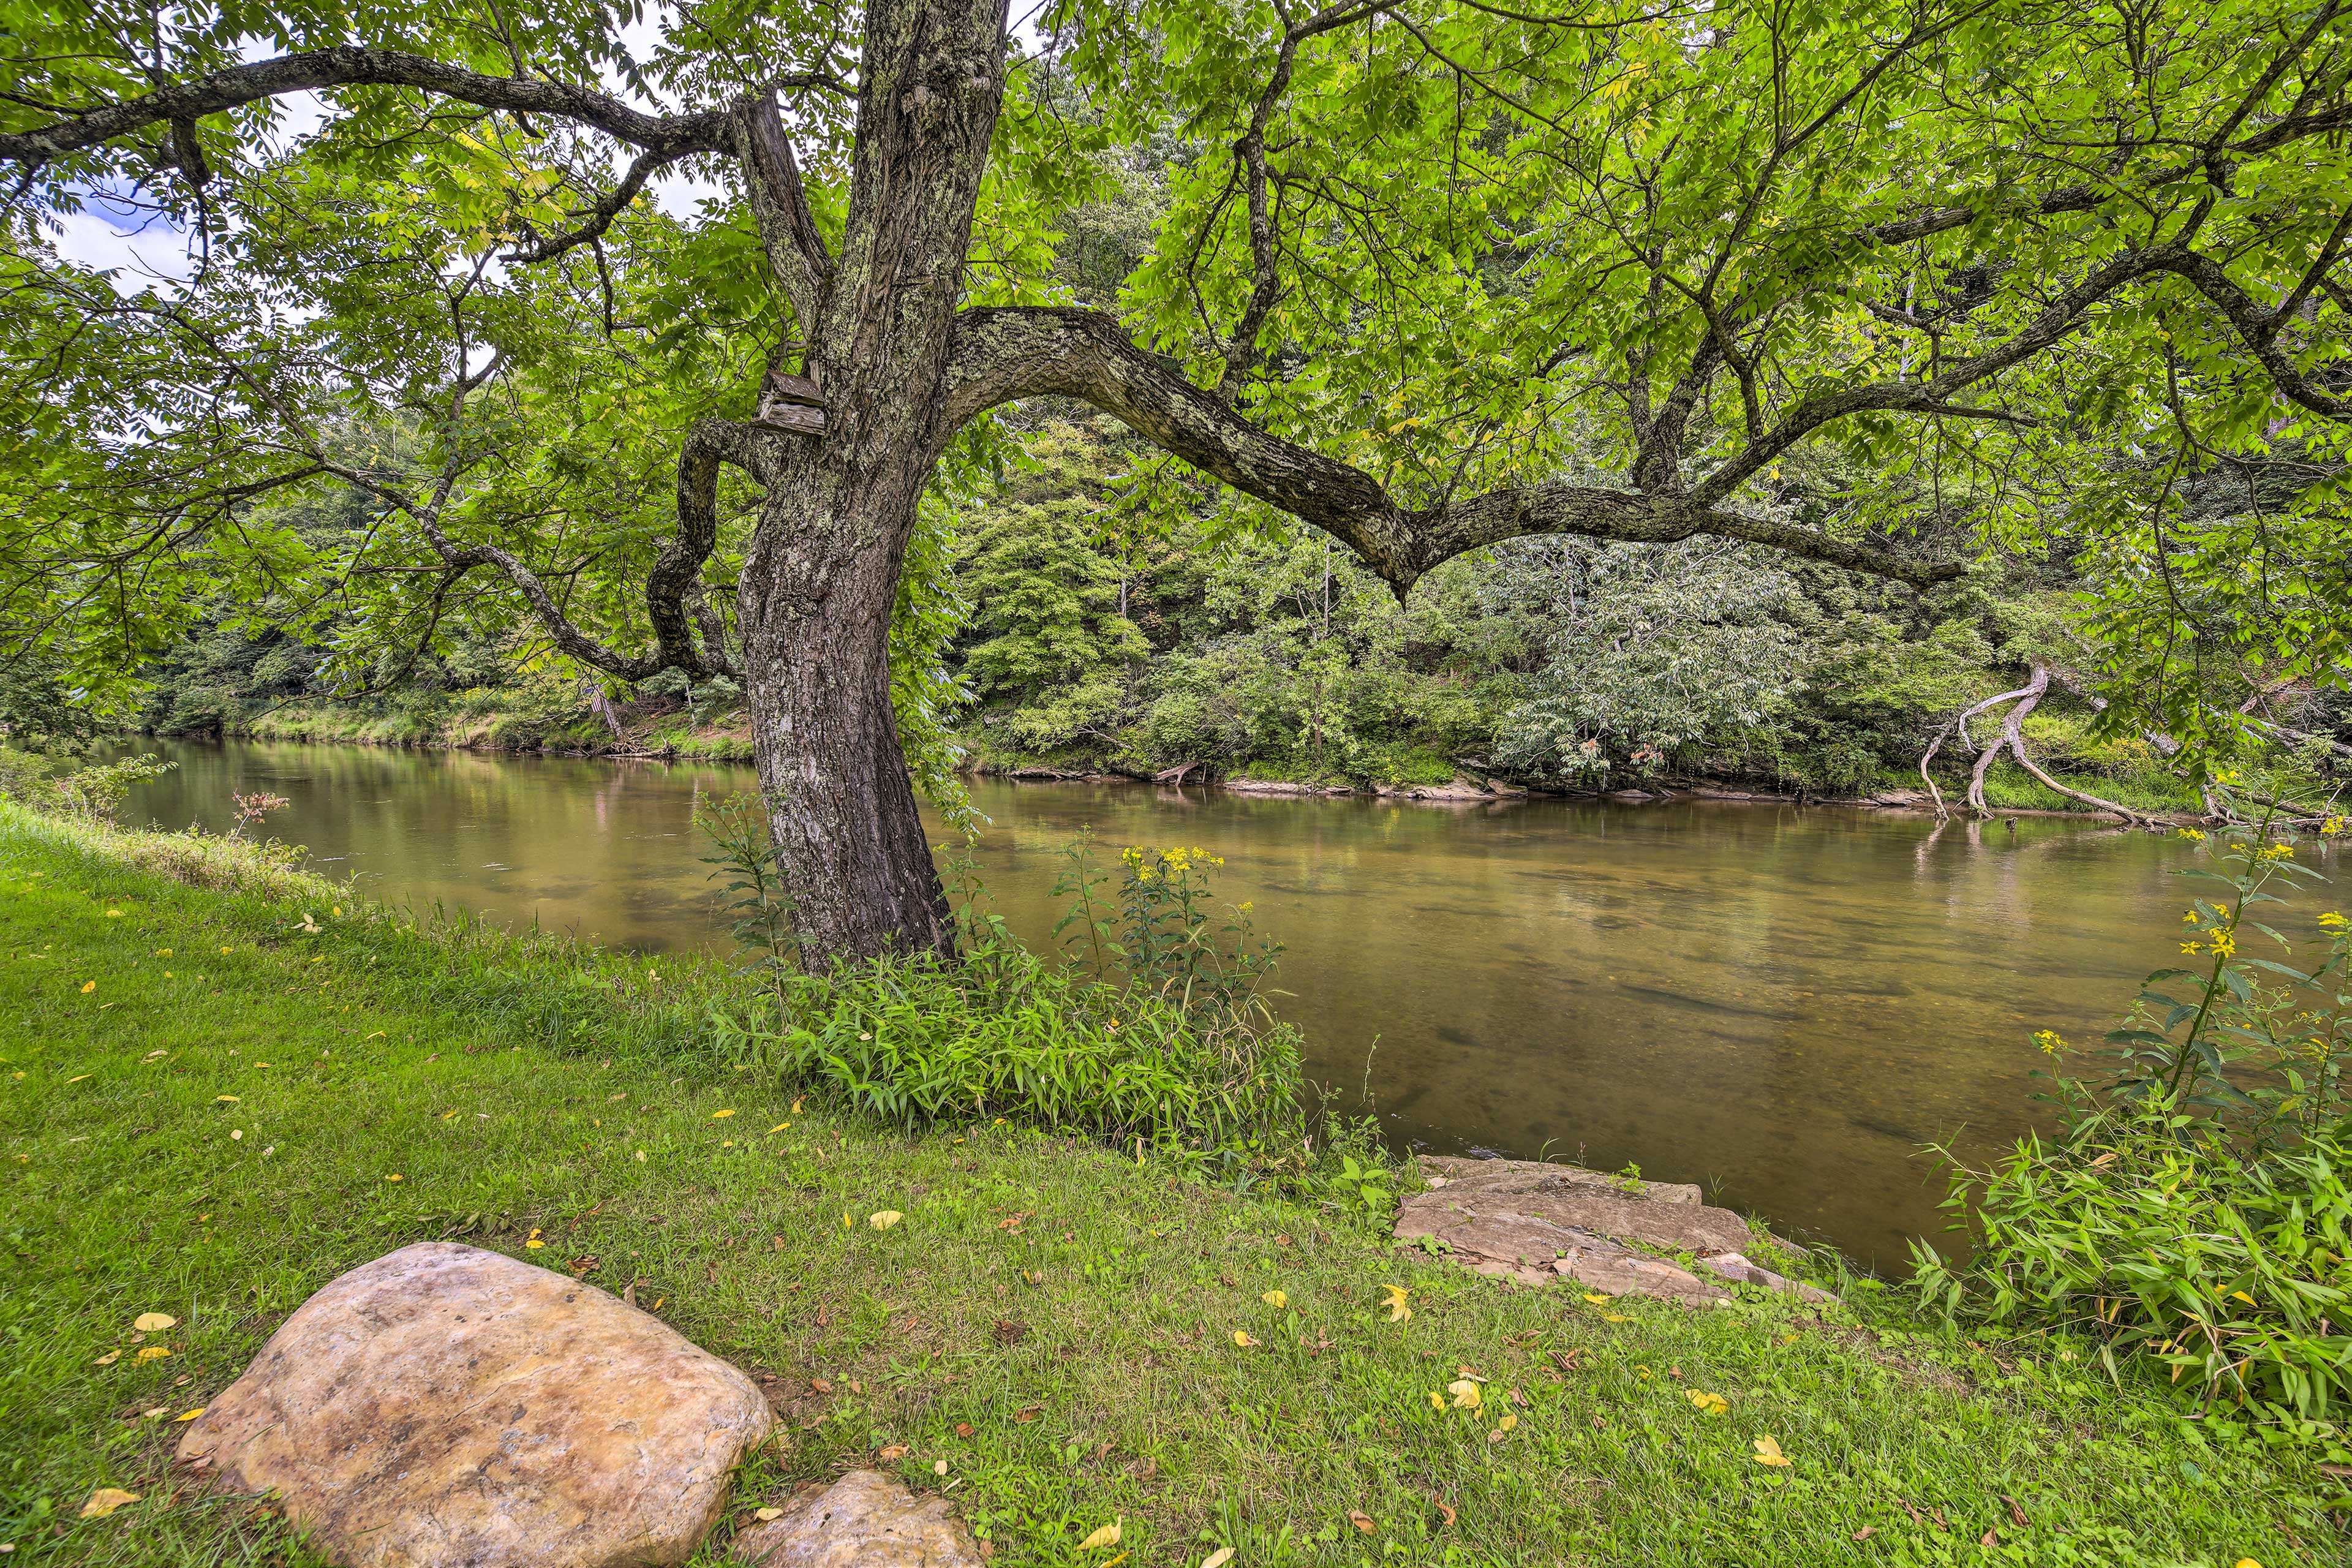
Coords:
pixel 220 1068
pixel 660 732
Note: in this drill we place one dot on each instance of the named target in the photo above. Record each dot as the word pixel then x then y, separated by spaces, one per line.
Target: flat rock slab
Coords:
pixel 452 1408
pixel 865 1520
pixel 1535 1222
pixel 1491 1239
pixel 1513 1175
pixel 1650 1215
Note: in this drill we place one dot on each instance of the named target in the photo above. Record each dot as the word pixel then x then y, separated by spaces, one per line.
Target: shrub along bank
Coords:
pixel 225 1082
pixel 2193 1212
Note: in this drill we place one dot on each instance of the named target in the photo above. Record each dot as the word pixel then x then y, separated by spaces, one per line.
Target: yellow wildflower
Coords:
pixel 2049 1040
pixel 2333 920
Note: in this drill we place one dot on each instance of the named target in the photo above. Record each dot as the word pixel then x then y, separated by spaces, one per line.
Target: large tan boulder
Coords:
pixel 448 1408
pixel 865 1520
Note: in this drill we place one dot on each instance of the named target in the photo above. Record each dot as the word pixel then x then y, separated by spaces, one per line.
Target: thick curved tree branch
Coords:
pixel 1005 353
pixel 674 587
pixel 702 131
pixel 771 177
pixel 2258 328
pixel 1934 395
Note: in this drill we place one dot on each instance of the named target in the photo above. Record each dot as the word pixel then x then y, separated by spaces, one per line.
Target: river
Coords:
pixel 1781 1003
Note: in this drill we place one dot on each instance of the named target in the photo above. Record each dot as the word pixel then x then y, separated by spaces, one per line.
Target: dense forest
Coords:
pixel 1091 638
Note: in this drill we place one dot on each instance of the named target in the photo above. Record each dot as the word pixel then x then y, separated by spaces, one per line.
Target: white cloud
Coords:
pixel 138 247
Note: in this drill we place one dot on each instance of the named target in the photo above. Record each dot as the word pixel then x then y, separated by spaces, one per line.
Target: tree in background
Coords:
pixel 1982 256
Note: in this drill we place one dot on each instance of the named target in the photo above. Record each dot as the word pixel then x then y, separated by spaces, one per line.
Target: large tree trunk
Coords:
pixel 822 573
pixel 843 811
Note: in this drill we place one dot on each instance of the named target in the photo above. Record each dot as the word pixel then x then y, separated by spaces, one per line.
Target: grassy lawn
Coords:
pixel 209 1109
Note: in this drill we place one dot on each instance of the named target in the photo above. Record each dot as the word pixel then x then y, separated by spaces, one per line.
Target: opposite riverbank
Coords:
pixel 226 1083
pixel 492 721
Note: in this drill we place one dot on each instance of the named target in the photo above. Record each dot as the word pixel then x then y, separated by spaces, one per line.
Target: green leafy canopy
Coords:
pixel 2000 275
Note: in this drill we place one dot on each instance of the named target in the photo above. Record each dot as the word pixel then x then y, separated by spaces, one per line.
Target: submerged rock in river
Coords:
pixel 1534 1222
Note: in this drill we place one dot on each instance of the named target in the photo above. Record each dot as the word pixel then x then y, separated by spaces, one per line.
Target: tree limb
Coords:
pixel 701 130
pixel 1265 286
pixel 771 178
pixel 1000 353
pixel 2258 328
pixel 598 215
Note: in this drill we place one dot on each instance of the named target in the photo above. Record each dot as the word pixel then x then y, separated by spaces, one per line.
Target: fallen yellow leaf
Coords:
pixel 641 1156
pixel 1615 1317
pixel 192 1415
pixel 885 1220
pixel 109 1358
pixel 105 1500
pixel 1596 1301
pixel 154 1322
pixel 75 1078
pixel 1106 1536
pixel 1276 1300
pixel 1768 1452
pixel 1465 1394
pixel 1437 1400
pixel 780 1126
pixel 1240 1337
pixel 796 1106
pixel 1398 1311
pixel 765 1514
pixel 1707 1404
pixel 720 1115
pixel 1219 1558
pixel 224 1099
pixel 114 914
pixel 1508 1423
pixel 395 1178
pixel 154 1352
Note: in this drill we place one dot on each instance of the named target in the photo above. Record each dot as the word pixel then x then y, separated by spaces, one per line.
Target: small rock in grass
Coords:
pixel 865 1520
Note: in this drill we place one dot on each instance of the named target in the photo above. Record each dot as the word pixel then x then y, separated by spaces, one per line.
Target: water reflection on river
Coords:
pixel 1781 1003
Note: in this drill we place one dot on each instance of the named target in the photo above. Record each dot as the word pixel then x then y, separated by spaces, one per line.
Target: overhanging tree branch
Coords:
pixel 701 130
pixel 1004 352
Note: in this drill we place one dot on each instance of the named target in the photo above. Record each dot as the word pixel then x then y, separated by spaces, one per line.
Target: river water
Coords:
pixel 1781 1003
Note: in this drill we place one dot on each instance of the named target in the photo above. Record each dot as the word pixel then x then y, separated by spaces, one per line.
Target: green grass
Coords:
pixel 514 1085
pixel 2011 787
